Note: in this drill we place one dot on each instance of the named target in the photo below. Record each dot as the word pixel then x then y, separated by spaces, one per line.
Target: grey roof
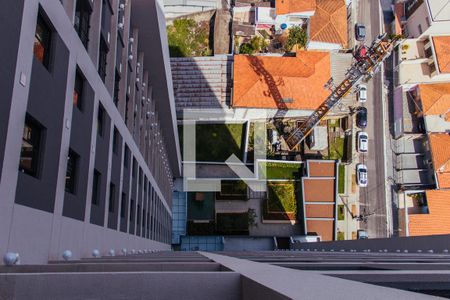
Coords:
pixel 202 82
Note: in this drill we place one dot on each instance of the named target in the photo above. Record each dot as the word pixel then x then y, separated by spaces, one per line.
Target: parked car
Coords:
pixel 362 234
pixel 362 141
pixel 362 93
pixel 361 175
pixel 361 117
pixel 360 32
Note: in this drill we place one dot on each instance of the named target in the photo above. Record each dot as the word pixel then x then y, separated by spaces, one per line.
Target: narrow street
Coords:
pixel 373 197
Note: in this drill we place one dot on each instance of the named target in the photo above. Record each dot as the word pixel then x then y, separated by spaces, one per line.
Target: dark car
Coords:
pixel 361 117
pixel 360 32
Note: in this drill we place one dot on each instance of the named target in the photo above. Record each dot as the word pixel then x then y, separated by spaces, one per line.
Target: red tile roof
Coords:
pixel 281 82
pixel 435 98
pixel 329 23
pixel 283 7
pixel 440 152
pixel 324 228
pixel 442 50
pixel 321 168
pixel 437 221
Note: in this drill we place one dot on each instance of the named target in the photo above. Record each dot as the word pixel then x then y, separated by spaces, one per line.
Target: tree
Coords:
pixel 246 48
pixel 188 38
pixel 297 36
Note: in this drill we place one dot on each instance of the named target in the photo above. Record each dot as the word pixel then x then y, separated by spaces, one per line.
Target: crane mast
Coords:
pixel 367 62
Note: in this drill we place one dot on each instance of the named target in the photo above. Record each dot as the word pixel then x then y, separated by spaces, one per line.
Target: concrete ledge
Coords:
pixel 138 285
pixel 294 284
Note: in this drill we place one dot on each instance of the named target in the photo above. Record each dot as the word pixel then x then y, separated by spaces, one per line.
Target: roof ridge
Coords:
pixel 322 27
pixel 437 99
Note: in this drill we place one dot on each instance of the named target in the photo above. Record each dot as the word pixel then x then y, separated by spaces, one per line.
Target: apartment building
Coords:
pixel 88 139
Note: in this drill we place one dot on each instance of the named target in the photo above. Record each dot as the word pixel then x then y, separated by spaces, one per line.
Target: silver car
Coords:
pixel 361 175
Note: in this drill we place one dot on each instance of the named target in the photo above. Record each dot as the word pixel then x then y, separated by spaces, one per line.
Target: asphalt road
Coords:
pixel 373 197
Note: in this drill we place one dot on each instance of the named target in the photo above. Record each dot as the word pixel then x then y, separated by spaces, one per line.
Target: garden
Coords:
pixel 279 170
pixel 187 38
pixel 281 202
pixel 217 142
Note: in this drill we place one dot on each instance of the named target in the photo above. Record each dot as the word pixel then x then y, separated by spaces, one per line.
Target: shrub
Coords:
pixel 297 36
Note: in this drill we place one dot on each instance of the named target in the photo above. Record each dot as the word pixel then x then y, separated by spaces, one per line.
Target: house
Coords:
pixel 324 20
pixel 440 155
pixel 279 83
pixel 424 60
pixel 421 18
pixel 425 213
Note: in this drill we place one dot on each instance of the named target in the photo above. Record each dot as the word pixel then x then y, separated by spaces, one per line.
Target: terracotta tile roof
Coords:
pixel 318 190
pixel 324 228
pixel 437 221
pixel 283 7
pixel 264 81
pixel 435 98
pixel 399 12
pixel 440 151
pixel 442 50
pixel 319 210
pixel 321 169
pixel 329 23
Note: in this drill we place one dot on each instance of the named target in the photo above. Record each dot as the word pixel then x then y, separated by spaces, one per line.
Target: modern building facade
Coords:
pixel 88 137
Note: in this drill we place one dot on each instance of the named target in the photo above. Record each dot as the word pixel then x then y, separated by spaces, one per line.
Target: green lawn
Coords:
pixel 281 197
pixel 216 142
pixel 279 170
pixel 336 149
pixel 341 212
pixel 341 179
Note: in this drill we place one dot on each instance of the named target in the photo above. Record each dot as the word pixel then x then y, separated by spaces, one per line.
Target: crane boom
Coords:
pixel 365 65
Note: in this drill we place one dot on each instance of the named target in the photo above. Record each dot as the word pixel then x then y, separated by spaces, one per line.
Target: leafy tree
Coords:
pixel 297 36
pixel 188 38
pixel 246 48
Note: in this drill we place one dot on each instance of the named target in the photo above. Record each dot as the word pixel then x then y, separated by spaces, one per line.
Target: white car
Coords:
pixel 361 175
pixel 362 141
pixel 362 93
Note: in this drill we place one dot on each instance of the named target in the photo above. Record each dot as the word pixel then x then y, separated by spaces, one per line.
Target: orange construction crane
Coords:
pixel 367 62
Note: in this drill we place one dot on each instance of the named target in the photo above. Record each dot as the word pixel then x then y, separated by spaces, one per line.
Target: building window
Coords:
pixel 123 203
pixel 116 88
pixel 126 157
pixel 78 90
pixel 30 151
pixel 131 210
pixel 100 119
pixel 139 214
pixel 71 171
pixel 428 21
pixel 134 167
pixel 420 28
pixel 82 17
pixel 115 141
pixel 112 194
pixel 102 60
pixel 42 41
pixel 95 187
pixel 127 103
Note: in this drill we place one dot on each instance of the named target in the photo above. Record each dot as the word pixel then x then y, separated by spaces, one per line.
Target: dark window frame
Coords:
pixel 100 119
pixel 36 140
pixel 103 58
pixel 72 166
pixel 123 203
pixel 112 196
pixel 96 181
pixel 45 41
pixel 83 11
pixel 78 89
